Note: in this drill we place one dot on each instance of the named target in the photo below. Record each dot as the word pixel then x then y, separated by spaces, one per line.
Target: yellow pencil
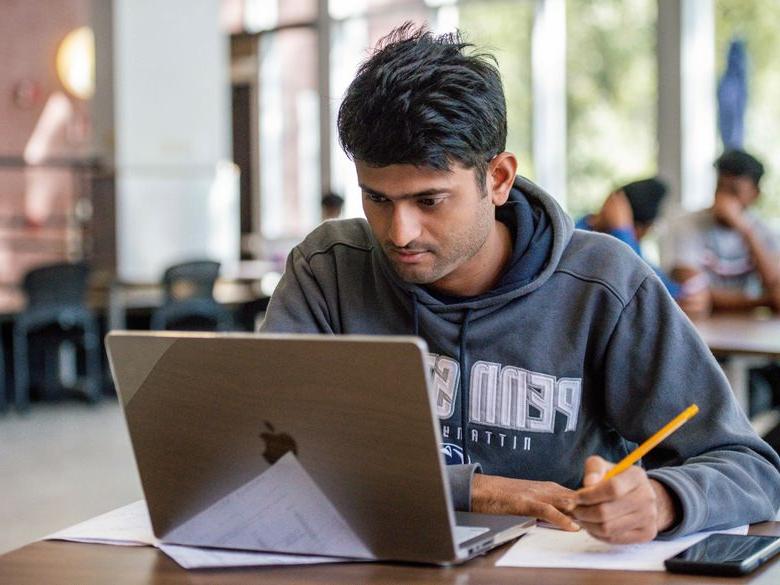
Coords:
pixel 642 450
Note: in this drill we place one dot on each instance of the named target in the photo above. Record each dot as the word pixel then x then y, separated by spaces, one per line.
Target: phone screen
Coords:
pixel 728 552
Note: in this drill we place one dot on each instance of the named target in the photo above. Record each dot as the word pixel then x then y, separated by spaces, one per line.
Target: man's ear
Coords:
pixel 756 195
pixel 500 177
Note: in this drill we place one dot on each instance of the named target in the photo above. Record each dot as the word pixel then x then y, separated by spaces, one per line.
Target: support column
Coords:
pixel 548 64
pixel 687 129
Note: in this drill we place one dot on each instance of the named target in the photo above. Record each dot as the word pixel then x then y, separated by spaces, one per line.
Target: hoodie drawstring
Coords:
pixel 464 386
pixel 415 315
pixel 464 394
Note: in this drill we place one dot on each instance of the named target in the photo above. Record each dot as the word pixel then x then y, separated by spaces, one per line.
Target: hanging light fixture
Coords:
pixel 76 62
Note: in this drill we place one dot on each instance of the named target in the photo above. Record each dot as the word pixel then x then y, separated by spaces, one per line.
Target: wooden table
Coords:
pixel 44 563
pixel 745 340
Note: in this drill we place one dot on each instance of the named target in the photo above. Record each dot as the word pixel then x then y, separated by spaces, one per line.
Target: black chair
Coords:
pixel 56 312
pixel 189 303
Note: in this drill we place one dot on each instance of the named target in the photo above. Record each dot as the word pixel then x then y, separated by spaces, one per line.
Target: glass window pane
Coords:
pixel 503 28
pixel 289 132
pixel 755 21
pixel 611 97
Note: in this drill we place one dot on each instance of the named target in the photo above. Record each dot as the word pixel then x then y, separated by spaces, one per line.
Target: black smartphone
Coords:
pixel 725 554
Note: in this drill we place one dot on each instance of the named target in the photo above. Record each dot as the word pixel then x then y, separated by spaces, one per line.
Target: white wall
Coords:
pixel 176 197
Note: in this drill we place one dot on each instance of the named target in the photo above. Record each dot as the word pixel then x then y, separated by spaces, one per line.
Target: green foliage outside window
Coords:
pixel 611 97
pixel 503 28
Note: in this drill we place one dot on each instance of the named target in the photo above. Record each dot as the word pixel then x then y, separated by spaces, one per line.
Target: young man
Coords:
pixel 554 351
pixel 727 243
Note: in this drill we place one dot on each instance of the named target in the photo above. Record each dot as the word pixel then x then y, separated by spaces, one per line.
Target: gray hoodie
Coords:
pixel 590 356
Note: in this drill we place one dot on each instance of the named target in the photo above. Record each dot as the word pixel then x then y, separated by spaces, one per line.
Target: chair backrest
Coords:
pixel 190 280
pixel 62 284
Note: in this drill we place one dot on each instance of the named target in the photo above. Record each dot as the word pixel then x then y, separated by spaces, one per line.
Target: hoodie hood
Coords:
pixel 541 231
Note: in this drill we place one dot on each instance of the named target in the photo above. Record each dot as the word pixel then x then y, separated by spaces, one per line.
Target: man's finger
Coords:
pixel 565 502
pixel 604 511
pixel 552 516
pixel 628 529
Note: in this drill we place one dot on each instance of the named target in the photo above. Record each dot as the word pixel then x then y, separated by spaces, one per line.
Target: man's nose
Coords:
pixel 404 225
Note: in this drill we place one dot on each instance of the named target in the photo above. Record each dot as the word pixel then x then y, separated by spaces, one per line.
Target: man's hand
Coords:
pixel 615 213
pixel 625 509
pixel 696 304
pixel 730 212
pixel 545 500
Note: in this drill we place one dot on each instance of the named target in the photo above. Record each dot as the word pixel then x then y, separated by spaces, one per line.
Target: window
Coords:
pixel 503 28
pixel 611 92
pixel 755 21
pixel 611 97
pixel 289 132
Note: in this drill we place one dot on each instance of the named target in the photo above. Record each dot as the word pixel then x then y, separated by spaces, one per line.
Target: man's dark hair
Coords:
pixel 645 198
pixel 332 200
pixel 739 163
pixel 421 100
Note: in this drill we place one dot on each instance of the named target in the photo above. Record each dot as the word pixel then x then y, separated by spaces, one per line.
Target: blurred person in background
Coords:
pixel 728 243
pixel 332 205
pixel 627 214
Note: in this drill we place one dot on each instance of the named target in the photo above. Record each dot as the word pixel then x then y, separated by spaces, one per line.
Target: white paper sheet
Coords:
pixel 549 548
pixel 281 510
pixel 125 526
pixel 191 557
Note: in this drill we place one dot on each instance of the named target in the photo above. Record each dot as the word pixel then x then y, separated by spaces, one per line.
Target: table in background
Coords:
pixel 44 563
pixel 745 340
pixel 238 283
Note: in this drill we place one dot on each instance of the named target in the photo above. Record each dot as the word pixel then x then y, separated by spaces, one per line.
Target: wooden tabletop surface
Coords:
pixel 44 563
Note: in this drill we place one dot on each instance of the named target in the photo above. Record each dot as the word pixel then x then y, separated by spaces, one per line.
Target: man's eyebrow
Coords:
pixel 419 194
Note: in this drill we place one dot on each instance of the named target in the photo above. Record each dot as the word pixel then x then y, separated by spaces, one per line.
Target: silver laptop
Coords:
pixel 305 444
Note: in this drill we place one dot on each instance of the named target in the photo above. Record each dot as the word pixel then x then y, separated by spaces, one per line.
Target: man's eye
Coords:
pixel 375 198
pixel 429 201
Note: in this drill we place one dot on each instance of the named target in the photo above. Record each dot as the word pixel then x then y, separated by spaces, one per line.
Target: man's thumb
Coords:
pixel 595 468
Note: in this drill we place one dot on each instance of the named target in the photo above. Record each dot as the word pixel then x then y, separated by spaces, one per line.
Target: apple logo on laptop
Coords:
pixel 277 444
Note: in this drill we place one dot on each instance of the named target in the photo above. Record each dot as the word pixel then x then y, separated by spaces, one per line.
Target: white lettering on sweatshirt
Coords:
pixel 507 397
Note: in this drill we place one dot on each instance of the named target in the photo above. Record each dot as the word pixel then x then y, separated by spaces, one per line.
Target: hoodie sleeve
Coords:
pixel 298 304
pixel 460 478
pixel 656 364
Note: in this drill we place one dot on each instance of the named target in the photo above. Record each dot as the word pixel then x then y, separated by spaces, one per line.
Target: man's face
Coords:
pixel 736 187
pixel 431 224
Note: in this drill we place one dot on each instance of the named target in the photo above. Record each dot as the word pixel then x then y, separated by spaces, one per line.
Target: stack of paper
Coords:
pixel 281 509
pixel 130 526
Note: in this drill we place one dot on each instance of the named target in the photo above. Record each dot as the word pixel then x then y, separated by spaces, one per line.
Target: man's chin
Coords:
pixel 413 274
